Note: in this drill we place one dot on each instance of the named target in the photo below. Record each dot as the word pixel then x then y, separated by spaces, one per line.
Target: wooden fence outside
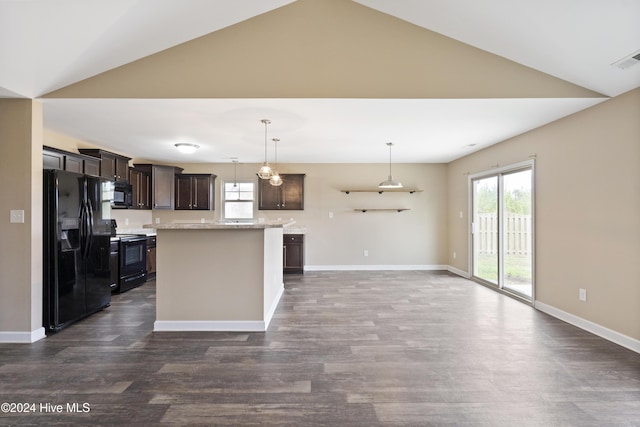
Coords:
pixel 517 229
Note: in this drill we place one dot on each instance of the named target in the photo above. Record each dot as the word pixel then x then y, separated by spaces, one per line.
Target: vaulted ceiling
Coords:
pixel 337 78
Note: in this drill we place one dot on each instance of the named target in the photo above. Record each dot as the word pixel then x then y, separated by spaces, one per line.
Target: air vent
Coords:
pixel 628 61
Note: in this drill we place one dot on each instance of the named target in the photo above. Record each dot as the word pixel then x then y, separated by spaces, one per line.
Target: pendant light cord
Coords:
pixel 389 144
pixel 275 140
pixel 235 173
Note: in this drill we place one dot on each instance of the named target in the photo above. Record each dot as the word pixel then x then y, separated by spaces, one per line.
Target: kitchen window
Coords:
pixel 238 200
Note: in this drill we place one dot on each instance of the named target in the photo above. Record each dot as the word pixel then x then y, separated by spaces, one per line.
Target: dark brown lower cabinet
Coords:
pixel 293 253
pixel 114 263
pixel 151 257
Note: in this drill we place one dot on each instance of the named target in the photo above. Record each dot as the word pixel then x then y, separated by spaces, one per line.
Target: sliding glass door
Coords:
pixel 502 229
pixel 517 239
pixel 485 229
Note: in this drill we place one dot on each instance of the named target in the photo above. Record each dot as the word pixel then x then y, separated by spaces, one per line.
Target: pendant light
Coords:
pixel 235 173
pixel 275 179
pixel 265 171
pixel 390 183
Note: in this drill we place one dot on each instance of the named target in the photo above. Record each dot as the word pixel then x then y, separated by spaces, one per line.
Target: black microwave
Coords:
pixel 122 196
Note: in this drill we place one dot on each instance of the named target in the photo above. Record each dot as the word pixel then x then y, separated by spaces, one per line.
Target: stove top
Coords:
pixel 131 236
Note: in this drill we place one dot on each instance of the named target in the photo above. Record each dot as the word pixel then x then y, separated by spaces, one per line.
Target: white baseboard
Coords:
pixel 209 326
pixel 601 331
pixel 22 337
pixel 220 325
pixel 372 267
pixel 459 272
pixel 274 305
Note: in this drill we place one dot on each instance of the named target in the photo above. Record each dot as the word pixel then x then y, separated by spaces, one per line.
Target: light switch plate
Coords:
pixel 17 216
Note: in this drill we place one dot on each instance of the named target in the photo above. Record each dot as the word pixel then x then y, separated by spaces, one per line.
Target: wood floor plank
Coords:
pixel 381 348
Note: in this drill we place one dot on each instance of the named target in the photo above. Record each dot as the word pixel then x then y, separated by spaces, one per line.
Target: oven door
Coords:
pixel 133 256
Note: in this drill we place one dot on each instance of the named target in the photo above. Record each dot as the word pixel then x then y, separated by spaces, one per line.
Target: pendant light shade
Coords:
pixel 275 179
pixel 265 171
pixel 390 182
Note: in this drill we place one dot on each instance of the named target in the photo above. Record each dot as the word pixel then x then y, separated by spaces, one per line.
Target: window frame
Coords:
pixel 225 200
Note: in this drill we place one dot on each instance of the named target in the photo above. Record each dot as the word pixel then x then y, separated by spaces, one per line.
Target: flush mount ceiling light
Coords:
pixel 275 179
pixel 187 148
pixel 390 183
pixel 265 171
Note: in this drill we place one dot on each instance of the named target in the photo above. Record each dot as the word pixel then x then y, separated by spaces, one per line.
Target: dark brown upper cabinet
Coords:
pixel 288 196
pixel 140 181
pixel 162 184
pixel 54 158
pixel 195 191
pixel 112 166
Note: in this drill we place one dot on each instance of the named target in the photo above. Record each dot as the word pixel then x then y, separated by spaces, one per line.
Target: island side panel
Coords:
pixel 273 277
pixel 210 275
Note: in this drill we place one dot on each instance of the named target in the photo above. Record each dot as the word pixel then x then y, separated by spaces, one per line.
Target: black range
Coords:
pixel 132 261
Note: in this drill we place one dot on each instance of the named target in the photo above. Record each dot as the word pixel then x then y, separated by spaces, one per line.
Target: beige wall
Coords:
pixel 587 210
pixel 21 244
pixel 68 143
pixel 416 237
pixel 323 49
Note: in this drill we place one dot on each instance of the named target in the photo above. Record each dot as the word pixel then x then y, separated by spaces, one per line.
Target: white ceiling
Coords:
pixel 48 44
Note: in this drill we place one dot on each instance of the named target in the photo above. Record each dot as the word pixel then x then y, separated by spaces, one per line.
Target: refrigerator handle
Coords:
pixel 81 227
pixel 86 225
pixel 89 209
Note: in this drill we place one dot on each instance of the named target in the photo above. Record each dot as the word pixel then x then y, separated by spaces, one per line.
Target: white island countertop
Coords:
pixel 220 225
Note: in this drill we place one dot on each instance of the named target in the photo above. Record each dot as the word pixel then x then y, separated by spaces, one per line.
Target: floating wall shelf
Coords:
pixel 382 210
pixel 379 191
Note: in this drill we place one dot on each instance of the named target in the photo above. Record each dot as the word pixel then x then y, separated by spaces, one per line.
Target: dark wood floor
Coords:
pixel 344 349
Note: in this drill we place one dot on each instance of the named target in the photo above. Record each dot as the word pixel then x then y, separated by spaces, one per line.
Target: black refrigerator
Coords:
pixel 76 237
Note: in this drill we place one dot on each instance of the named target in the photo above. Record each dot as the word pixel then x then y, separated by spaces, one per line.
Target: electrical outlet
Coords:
pixel 157 220
pixel 126 221
pixel 460 214
pixel 366 253
pixel 454 255
pixel 330 215
pixel 582 294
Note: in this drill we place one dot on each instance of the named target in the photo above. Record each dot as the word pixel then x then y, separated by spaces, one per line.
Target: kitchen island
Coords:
pixel 218 276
